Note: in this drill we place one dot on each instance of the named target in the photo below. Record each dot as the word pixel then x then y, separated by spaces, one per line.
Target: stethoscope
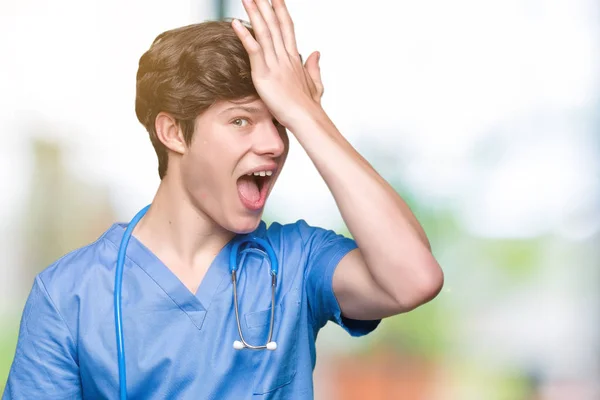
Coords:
pixel 242 245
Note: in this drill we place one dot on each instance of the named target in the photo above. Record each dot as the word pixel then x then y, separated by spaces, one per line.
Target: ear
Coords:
pixel 169 133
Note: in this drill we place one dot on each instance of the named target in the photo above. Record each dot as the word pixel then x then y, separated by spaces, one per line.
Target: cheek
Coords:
pixel 203 173
pixel 195 172
pixel 208 165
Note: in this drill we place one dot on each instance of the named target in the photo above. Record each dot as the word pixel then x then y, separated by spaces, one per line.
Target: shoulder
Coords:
pixel 302 236
pixel 299 231
pixel 74 280
pixel 70 271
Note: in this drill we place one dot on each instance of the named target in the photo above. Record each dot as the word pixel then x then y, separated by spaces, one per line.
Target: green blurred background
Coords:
pixel 483 115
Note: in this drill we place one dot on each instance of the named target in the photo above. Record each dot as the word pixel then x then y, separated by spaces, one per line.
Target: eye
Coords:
pixel 240 122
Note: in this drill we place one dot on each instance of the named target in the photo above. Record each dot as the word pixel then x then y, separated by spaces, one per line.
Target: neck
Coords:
pixel 177 231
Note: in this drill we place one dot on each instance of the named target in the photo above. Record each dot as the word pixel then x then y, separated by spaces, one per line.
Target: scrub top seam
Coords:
pixel 81 249
pixel 299 269
pixel 156 282
pixel 309 315
pixel 329 271
pixel 47 294
pixel 224 279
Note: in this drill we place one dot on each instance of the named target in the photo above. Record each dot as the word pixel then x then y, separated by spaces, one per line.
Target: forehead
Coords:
pixel 250 105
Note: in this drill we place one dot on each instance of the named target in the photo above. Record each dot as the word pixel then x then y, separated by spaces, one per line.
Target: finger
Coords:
pixel 287 26
pixel 253 48
pixel 272 22
pixel 263 34
pixel 314 72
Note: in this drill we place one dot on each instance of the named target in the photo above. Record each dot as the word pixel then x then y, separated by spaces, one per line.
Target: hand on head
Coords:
pixel 286 85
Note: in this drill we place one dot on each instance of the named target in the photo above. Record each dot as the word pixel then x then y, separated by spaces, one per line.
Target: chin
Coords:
pixel 245 224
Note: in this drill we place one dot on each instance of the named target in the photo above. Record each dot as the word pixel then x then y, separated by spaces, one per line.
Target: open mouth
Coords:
pixel 253 188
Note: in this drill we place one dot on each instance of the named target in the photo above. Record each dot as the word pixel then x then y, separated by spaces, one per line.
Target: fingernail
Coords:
pixel 318 56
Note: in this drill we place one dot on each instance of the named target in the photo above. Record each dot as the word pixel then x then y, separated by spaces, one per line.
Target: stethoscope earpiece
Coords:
pixel 239 345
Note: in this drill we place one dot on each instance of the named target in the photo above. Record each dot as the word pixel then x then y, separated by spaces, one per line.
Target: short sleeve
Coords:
pixel 45 365
pixel 324 250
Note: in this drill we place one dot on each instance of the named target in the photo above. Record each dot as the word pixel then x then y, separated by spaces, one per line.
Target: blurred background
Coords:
pixel 483 114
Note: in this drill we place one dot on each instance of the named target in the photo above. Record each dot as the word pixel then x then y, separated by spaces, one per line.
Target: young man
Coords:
pixel 216 99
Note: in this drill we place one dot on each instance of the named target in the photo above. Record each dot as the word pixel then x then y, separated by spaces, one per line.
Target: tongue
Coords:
pixel 248 189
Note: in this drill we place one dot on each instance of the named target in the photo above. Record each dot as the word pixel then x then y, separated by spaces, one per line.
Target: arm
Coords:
pixel 45 365
pixel 393 270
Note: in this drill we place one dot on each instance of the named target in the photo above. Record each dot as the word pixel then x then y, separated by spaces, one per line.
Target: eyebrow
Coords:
pixel 248 109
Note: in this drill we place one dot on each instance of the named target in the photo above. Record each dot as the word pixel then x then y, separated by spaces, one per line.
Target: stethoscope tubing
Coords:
pixel 233 269
pixel 117 301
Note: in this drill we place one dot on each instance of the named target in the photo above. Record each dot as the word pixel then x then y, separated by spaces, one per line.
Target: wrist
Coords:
pixel 305 117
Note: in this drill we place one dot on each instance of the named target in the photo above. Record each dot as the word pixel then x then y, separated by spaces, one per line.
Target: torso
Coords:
pixel 180 326
pixel 178 340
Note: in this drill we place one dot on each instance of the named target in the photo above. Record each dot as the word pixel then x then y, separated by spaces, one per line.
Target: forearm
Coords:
pixel 391 240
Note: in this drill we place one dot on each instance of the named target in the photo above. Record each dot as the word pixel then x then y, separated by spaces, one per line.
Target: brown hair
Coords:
pixel 185 71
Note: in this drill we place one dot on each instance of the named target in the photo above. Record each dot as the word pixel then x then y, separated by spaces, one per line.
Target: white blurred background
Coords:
pixel 483 114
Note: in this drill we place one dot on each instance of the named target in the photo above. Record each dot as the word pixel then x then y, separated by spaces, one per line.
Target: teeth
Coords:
pixel 261 173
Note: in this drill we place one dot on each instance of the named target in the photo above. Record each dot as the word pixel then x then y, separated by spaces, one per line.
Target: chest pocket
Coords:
pixel 274 368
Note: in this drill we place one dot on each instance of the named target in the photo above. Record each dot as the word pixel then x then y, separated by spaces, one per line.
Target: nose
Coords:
pixel 270 139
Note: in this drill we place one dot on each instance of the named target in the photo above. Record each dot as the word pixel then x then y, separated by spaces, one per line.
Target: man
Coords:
pixel 216 99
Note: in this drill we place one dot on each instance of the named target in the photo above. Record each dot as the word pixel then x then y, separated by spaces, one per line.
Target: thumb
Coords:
pixel 314 71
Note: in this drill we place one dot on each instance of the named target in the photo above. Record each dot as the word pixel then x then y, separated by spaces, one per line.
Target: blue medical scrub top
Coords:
pixel 179 345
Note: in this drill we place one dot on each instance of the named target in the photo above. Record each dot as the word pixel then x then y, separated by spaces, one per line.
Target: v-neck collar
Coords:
pixel 194 305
